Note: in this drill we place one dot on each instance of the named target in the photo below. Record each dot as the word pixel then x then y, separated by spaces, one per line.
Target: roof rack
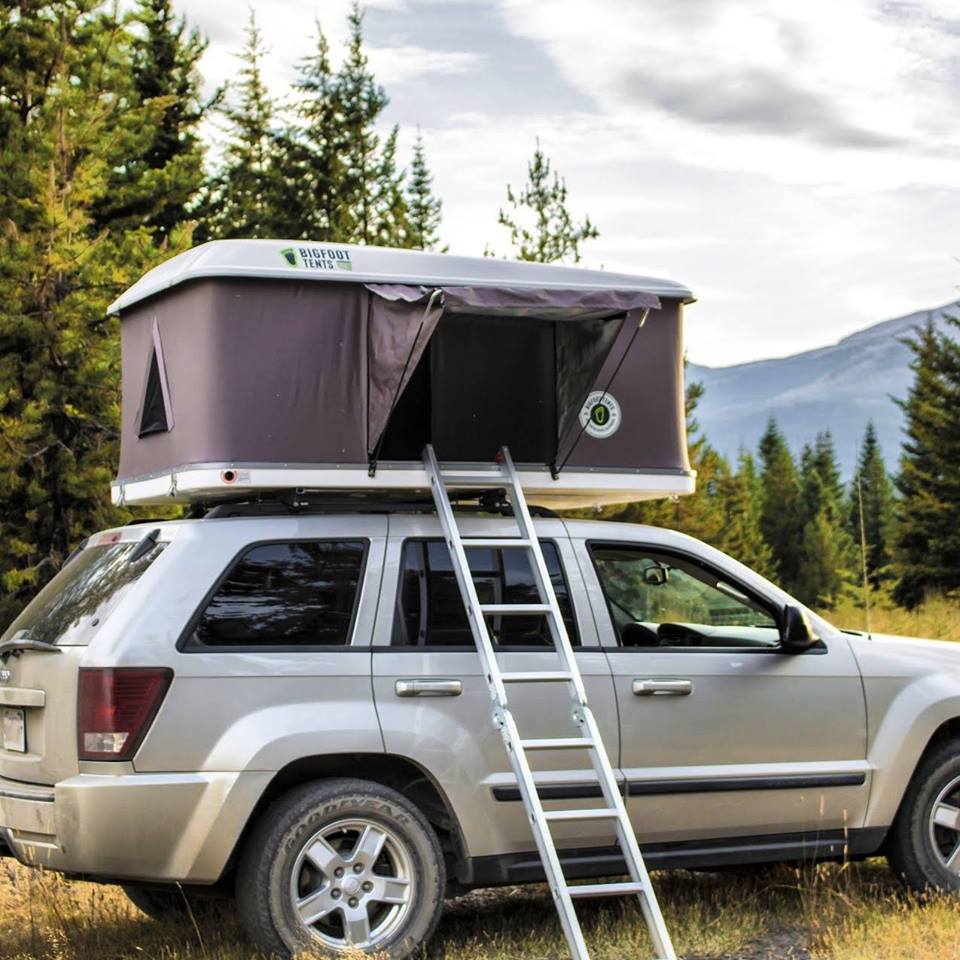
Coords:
pixel 287 503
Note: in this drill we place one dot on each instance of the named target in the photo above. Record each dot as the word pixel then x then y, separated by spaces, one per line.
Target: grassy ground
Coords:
pixel 855 912
pixel 850 912
pixel 937 619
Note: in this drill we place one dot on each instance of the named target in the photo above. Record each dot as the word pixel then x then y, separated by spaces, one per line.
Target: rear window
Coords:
pixel 430 610
pixel 284 596
pixel 68 610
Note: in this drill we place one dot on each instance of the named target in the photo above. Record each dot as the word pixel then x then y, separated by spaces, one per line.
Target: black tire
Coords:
pixel 166 905
pixel 275 850
pixel 915 849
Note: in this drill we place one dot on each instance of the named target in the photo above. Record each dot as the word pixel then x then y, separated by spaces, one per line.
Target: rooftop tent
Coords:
pixel 262 364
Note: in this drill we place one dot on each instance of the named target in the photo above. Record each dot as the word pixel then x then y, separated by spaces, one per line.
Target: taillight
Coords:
pixel 115 708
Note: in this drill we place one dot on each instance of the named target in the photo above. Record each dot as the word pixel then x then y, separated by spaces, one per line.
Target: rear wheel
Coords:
pixel 924 842
pixel 341 865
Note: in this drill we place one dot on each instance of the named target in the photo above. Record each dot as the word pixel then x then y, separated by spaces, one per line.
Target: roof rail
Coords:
pixel 288 503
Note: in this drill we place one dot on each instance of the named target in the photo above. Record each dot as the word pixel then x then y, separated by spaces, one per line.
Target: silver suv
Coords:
pixel 286 707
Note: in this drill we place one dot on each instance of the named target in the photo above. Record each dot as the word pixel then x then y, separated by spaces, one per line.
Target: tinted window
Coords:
pixel 82 595
pixel 430 610
pixel 299 594
pixel 659 600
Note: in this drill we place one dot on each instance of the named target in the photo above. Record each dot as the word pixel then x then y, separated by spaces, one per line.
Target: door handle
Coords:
pixel 428 688
pixel 662 687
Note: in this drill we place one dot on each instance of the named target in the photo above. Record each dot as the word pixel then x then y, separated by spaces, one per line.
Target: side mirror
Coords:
pixel 796 631
pixel 656 576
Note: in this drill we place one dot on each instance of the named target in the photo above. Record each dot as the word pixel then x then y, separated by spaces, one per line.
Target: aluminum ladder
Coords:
pixel 589 738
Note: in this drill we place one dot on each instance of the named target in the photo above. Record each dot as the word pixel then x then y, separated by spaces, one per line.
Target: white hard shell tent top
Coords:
pixel 262 365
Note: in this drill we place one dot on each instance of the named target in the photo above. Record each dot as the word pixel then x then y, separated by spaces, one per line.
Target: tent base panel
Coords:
pixel 575 488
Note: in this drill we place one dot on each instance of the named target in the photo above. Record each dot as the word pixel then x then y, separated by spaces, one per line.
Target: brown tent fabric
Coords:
pixel 399 331
pixel 286 372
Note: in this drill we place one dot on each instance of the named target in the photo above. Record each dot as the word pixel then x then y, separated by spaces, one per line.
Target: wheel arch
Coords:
pixel 389 770
pixel 924 716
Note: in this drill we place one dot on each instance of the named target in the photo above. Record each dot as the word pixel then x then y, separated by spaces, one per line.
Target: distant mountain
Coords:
pixel 839 387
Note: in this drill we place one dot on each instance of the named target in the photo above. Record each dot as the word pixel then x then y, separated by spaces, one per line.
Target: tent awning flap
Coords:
pixel 524 302
pixel 545 304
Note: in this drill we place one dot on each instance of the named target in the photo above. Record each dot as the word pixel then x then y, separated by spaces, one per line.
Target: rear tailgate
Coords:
pixel 38 687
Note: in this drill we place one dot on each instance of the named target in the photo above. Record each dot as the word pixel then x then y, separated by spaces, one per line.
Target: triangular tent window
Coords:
pixel 155 413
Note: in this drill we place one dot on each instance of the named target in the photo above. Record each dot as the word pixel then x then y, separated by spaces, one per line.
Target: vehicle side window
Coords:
pixel 430 611
pixel 658 600
pixel 285 595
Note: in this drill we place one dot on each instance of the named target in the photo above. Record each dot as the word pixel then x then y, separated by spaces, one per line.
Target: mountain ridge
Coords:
pixel 838 387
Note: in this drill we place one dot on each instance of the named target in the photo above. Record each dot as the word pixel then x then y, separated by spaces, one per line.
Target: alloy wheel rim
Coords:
pixel 352 884
pixel 945 826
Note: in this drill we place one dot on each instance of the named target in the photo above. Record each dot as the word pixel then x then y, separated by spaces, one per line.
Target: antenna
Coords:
pixel 863 553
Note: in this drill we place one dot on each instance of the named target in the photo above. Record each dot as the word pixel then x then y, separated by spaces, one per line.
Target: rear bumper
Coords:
pixel 159 827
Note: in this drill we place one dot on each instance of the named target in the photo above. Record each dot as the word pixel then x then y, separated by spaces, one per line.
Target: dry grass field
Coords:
pixel 830 912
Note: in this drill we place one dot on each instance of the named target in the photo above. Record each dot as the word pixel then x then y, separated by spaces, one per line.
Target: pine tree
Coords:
pixel 373 206
pixel 780 516
pixel 553 236
pixel 873 488
pixel 155 184
pixel 388 201
pixel 310 165
pixel 827 552
pixel 741 508
pixel 245 198
pixel 67 109
pixel 927 547
pixel 425 208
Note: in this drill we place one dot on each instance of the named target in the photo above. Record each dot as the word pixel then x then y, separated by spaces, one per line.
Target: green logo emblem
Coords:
pixel 290 255
pixel 600 414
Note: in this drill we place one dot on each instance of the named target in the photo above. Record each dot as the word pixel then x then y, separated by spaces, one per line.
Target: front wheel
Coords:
pixel 341 865
pixel 924 842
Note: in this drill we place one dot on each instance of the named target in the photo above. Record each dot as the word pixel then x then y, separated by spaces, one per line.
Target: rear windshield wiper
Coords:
pixel 18 643
pixel 144 546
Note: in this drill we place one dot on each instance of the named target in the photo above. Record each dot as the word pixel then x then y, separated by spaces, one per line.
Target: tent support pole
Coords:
pixel 375 455
pixel 555 470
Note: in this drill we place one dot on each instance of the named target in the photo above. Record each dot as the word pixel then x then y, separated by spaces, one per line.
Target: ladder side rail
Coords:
pixel 461 569
pixel 543 838
pixel 628 839
pixel 558 629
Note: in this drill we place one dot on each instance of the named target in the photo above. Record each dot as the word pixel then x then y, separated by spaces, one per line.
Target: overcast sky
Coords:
pixel 796 164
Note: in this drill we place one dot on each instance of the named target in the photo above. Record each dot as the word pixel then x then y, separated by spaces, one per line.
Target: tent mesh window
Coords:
pixel 153 418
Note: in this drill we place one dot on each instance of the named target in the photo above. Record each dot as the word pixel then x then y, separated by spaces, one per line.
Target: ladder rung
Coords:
pixel 557 743
pixel 474 480
pixel 495 542
pixel 600 813
pixel 537 676
pixel 606 889
pixel 515 609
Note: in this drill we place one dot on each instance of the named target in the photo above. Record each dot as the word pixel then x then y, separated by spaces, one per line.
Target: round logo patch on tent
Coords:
pixel 600 416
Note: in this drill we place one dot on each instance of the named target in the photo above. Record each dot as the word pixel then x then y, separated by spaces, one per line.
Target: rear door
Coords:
pixel 432 699
pixel 723 733
pixel 38 688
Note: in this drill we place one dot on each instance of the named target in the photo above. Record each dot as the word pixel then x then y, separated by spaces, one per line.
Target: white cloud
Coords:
pixel 834 93
pixel 401 64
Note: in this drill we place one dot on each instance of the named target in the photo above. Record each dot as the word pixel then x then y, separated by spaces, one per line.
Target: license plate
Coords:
pixel 14 729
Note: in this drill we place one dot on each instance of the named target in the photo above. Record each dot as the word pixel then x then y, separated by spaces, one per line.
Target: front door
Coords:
pixel 723 734
pixel 432 698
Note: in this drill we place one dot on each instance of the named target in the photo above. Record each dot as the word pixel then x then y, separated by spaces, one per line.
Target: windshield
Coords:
pixel 82 595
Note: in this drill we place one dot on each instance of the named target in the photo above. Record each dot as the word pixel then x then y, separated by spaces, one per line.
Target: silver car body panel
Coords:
pixel 765 744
